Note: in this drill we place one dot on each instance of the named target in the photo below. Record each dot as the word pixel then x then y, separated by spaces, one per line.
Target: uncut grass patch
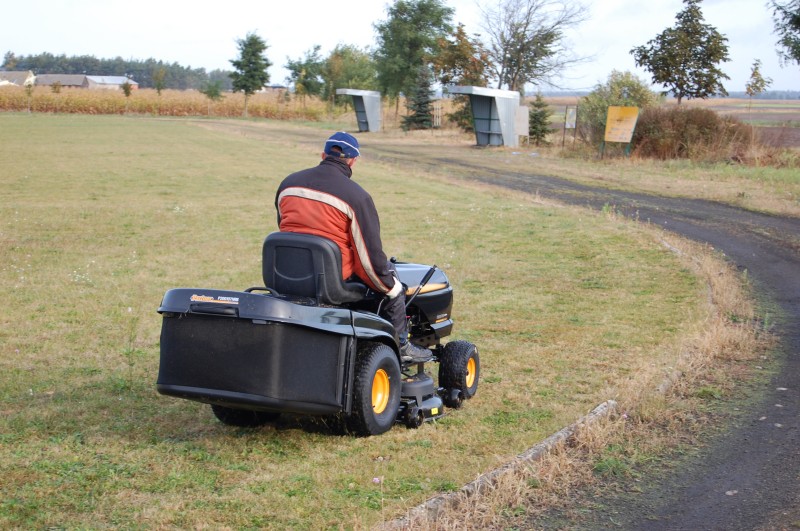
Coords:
pixel 102 214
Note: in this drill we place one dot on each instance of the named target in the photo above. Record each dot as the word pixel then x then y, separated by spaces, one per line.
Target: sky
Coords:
pixel 204 34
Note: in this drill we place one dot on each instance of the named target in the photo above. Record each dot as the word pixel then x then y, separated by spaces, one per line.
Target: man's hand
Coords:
pixel 396 290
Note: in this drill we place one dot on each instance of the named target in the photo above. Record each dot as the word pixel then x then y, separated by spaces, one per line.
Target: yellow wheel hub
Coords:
pixel 471 372
pixel 380 391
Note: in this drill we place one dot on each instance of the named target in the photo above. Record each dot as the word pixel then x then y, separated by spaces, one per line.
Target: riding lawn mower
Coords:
pixel 310 343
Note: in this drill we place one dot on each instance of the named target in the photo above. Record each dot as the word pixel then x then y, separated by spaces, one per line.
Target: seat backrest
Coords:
pixel 308 266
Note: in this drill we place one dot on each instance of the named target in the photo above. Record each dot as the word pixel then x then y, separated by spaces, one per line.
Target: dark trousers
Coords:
pixel 394 311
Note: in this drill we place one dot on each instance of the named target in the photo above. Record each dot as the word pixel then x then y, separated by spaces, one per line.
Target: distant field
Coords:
pixel 778 121
pixel 273 104
pixel 101 214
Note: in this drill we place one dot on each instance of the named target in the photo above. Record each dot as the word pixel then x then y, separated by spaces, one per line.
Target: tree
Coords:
pixel 786 16
pixel 539 120
pixel 221 76
pixel 213 91
pixel 621 88
pixel 348 66
pixel 9 61
pixel 29 85
pixel 407 40
pixel 127 89
pixel 757 83
pixel 250 69
pixel 526 39
pixel 420 102
pixel 461 61
pixel 159 79
pixel 306 73
pixel 684 58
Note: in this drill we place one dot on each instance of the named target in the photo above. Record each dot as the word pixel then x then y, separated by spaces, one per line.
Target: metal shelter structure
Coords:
pixel 367 104
pixel 494 114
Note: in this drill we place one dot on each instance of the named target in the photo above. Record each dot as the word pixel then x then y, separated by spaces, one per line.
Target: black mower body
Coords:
pixel 264 351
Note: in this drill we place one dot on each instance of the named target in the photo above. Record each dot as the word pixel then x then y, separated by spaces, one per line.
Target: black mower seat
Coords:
pixel 307 266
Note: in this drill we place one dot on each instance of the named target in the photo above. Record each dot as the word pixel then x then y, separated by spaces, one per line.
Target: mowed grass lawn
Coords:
pixel 101 215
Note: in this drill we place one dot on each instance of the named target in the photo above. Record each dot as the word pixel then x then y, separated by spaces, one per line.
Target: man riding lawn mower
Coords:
pixel 337 329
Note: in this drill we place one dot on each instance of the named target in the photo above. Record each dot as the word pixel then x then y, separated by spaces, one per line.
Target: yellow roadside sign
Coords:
pixel 620 123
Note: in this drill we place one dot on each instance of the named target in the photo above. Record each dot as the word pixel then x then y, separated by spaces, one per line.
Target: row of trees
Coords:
pixel 418 45
pixel 524 44
pixel 149 73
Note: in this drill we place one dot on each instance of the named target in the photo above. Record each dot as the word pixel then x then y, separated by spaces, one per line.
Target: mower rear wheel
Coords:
pixel 376 391
pixel 244 418
pixel 459 370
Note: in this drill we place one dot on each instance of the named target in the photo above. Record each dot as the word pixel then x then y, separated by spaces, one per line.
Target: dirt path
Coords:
pixel 748 477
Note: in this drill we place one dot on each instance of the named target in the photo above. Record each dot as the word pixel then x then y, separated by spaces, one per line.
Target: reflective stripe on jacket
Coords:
pixel 324 201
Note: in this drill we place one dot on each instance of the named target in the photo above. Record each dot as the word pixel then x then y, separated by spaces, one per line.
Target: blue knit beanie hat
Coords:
pixel 344 141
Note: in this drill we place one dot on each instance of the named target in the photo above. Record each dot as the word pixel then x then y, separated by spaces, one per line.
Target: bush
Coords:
pixel 691 133
pixel 621 88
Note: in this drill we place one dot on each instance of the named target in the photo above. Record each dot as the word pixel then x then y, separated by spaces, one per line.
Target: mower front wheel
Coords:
pixel 413 417
pixel 376 391
pixel 459 370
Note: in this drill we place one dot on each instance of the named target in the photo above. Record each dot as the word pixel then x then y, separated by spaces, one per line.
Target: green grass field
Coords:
pixel 101 215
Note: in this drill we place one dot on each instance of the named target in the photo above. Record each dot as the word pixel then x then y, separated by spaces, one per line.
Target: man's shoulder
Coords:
pixel 324 179
pixel 297 178
pixel 300 173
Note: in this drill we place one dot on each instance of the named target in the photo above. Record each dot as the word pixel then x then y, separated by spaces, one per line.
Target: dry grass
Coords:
pixel 578 338
pixel 658 410
pixel 102 214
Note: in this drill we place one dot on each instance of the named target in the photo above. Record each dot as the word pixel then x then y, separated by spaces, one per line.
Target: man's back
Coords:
pixel 324 201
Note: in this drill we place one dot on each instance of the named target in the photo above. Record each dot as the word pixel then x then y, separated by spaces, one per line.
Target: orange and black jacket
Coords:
pixel 325 202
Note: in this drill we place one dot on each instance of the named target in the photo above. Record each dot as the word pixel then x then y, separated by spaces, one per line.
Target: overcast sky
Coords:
pixel 204 34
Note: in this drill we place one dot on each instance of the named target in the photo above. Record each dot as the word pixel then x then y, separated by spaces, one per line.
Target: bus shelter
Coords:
pixel 367 104
pixel 494 115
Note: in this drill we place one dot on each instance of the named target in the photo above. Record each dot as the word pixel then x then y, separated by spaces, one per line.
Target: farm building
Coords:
pixel 109 82
pixel 21 78
pixel 65 80
pixel 18 78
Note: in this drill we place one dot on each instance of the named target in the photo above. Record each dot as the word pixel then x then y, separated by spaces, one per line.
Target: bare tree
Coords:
pixel 526 39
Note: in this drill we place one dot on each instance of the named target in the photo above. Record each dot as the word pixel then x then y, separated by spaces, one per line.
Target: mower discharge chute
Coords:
pixel 309 343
